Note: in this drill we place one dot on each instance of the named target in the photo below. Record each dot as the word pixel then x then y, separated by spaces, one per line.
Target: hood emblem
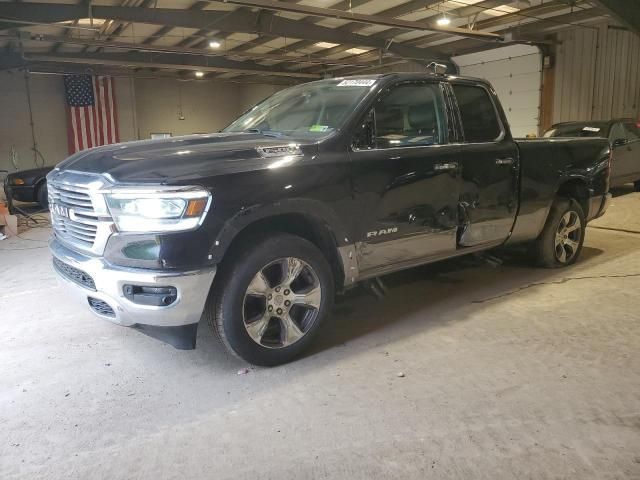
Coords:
pixel 280 150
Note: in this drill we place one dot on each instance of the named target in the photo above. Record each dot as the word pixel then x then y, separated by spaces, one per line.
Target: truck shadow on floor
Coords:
pixel 418 300
pixel 434 295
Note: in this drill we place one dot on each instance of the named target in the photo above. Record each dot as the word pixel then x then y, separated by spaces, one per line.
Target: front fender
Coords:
pixel 313 209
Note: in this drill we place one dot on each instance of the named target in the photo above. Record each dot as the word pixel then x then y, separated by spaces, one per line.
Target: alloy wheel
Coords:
pixel 282 303
pixel 568 234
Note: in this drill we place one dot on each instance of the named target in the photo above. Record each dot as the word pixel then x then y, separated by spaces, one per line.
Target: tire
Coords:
pixel 255 280
pixel 559 246
pixel 636 186
pixel 43 196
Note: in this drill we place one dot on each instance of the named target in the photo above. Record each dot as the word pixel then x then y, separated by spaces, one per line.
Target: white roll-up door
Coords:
pixel 516 74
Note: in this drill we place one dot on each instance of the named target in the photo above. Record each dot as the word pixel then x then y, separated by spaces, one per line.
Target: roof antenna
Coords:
pixel 437 68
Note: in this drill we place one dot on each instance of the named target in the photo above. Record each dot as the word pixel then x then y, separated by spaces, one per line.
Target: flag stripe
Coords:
pixel 91 111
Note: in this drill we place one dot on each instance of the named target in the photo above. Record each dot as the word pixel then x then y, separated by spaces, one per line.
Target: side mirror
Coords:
pixel 363 139
pixel 618 142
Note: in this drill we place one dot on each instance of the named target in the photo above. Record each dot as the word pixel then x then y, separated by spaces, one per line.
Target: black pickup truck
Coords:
pixel 316 188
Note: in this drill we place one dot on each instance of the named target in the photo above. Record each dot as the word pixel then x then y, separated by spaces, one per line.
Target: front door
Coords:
pixel 489 169
pixel 405 179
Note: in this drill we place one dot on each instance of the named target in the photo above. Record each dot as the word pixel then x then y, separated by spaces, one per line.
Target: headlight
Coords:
pixel 158 210
pixel 17 181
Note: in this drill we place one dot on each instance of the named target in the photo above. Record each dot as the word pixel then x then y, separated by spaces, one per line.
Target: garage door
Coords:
pixel 516 74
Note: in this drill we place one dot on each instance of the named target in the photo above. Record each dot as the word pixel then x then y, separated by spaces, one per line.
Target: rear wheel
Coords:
pixel 43 196
pixel 636 186
pixel 270 300
pixel 560 242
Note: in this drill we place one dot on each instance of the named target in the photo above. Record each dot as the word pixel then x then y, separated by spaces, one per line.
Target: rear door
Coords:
pixel 488 166
pixel 405 179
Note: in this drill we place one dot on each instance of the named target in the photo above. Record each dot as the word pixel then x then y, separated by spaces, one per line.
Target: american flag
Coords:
pixel 91 111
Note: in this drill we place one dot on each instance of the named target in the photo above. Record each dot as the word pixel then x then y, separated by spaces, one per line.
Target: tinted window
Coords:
pixel 409 115
pixel 632 131
pixel 479 118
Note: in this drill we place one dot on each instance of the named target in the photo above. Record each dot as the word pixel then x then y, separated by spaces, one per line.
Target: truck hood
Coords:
pixel 179 159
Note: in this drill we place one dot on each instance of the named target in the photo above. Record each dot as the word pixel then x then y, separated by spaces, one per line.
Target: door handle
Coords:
pixel 445 167
pixel 504 161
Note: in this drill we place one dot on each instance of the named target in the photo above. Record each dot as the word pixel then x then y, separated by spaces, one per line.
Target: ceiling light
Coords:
pixel 85 22
pixel 326 45
pixel 214 44
pixel 443 21
pixel 357 51
pixel 199 74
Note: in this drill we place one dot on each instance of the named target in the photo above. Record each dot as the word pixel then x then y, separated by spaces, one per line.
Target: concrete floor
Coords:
pixel 510 372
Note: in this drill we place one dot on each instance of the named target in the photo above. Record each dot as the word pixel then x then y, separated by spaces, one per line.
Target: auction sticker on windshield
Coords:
pixel 357 82
pixel 591 129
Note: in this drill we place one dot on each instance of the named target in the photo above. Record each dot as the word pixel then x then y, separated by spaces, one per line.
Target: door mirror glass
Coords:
pixel 618 142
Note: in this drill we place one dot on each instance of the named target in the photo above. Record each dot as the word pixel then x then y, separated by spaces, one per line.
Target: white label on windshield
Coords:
pixel 357 82
pixel 591 129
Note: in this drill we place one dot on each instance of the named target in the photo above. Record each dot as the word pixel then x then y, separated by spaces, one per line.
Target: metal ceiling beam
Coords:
pixel 145 47
pixel 403 10
pixel 279 6
pixel 502 23
pixel 163 61
pixel 343 5
pixel 236 21
pixel 400 10
pixel 625 11
pixel 526 16
pixel 353 27
pixel 45 68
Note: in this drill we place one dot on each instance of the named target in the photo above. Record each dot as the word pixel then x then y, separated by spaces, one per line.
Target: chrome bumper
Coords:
pixel 192 289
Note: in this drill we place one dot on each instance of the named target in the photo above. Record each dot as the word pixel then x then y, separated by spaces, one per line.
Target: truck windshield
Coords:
pixel 591 129
pixel 310 110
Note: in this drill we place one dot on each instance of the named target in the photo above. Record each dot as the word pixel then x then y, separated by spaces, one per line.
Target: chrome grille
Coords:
pixel 79 215
pixel 82 223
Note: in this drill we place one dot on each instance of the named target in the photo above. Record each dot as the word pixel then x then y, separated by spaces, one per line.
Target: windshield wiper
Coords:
pixel 266 133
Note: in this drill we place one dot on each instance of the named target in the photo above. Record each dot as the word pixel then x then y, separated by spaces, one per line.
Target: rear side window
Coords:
pixel 479 117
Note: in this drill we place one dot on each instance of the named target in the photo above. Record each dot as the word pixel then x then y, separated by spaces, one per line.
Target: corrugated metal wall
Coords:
pixel 597 74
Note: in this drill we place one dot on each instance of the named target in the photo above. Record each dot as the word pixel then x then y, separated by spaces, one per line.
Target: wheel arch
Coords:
pixel 308 219
pixel 577 189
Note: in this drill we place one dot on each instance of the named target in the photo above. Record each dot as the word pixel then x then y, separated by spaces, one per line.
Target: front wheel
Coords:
pixel 636 186
pixel 560 242
pixel 271 298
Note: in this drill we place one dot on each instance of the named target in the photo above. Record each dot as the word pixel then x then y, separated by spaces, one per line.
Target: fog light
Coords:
pixel 154 296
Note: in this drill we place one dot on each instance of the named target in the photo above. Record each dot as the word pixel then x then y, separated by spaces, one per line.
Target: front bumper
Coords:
pixel 105 282
pixel 23 193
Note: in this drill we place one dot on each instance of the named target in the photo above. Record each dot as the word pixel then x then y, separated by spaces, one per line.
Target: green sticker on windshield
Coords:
pixel 319 128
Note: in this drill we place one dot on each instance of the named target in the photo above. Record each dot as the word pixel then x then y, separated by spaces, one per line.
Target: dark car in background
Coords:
pixel 624 135
pixel 28 186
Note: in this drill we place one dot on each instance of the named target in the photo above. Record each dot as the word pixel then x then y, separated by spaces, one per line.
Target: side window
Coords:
pixel 479 116
pixel 632 131
pixel 407 115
